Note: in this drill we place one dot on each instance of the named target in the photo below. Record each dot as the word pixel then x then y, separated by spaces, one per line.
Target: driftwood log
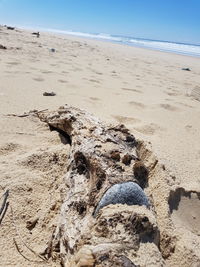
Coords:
pixel 106 219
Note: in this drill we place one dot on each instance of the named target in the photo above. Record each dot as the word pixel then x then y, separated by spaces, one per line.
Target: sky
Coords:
pixel 173 20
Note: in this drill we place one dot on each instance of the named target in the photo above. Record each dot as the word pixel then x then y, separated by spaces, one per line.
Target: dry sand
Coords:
pixel 146 90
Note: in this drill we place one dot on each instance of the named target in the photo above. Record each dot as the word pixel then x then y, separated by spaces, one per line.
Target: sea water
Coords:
pixel 166 46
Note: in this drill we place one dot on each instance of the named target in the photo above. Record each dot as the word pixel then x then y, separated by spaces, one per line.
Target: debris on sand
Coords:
pixel 36 33
pixel 186 69
pixel 49 94
pixel 10 28
pixel 3 47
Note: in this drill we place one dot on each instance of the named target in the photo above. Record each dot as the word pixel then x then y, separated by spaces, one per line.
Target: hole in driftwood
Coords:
pixel 64 137
pixel 101 177
pixel 81 163
pixel 141 174
pixel 81 208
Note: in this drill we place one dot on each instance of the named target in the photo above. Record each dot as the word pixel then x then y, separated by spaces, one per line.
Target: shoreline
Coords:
pixel 88 36
pixel 129 44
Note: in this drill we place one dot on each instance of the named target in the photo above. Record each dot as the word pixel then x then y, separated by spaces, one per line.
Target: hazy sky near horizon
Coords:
pixel 175 20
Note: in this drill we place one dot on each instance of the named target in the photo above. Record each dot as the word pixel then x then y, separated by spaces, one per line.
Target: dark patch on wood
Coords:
pixel 81 163
pixel 141 173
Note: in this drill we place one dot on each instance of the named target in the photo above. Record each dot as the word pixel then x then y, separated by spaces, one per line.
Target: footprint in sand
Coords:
pixel 62 81
pixel 94 81
pixel 46 71
pixel 149 129
pixel 168 99
pixel 13 72
pixel 132 90
pixel 13 63
pixel 139 86
pixel 169 107
pixel 137 104
pixel 34 60
pixel 98 73
pixel 188 127
pixel 61 62
pixel 38 79
pixel 195 93
pixel 77 69
pixel 94 98
pixel 125 82
pixel 125 120
pixel 172 93
pixel 184 104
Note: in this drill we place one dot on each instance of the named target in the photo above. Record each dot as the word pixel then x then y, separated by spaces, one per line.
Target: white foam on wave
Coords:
pixel 103 36
pixel 187 49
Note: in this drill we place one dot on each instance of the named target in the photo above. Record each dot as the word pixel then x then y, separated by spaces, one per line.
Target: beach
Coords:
pixel 147 91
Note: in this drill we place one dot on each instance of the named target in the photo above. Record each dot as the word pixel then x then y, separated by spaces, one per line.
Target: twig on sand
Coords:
pixel 15 115
pixel 4 205
pixel 5 195
pixel 47 253
pixel 23 242
pixel 25 114
pixel 4 212
pixel 41 110
pixel 18 249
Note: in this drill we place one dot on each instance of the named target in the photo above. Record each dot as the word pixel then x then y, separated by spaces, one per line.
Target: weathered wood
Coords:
pixel 101 156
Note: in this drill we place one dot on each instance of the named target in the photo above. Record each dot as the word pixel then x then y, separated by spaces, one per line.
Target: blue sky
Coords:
pixel 175 20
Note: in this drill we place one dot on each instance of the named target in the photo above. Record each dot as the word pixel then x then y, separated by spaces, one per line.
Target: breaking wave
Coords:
pixel 166 46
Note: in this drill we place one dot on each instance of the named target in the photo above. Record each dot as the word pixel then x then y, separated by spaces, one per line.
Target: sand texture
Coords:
pixel 145 90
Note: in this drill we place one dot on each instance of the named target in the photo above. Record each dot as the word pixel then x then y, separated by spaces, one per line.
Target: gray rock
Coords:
pixel 128 193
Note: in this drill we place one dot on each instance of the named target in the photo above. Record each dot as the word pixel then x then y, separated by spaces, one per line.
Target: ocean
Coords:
pixel 166 46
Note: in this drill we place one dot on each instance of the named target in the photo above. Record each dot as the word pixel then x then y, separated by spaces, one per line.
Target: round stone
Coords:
pixel 128 193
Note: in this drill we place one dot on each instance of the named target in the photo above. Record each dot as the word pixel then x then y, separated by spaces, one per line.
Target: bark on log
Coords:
pixel 93 234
